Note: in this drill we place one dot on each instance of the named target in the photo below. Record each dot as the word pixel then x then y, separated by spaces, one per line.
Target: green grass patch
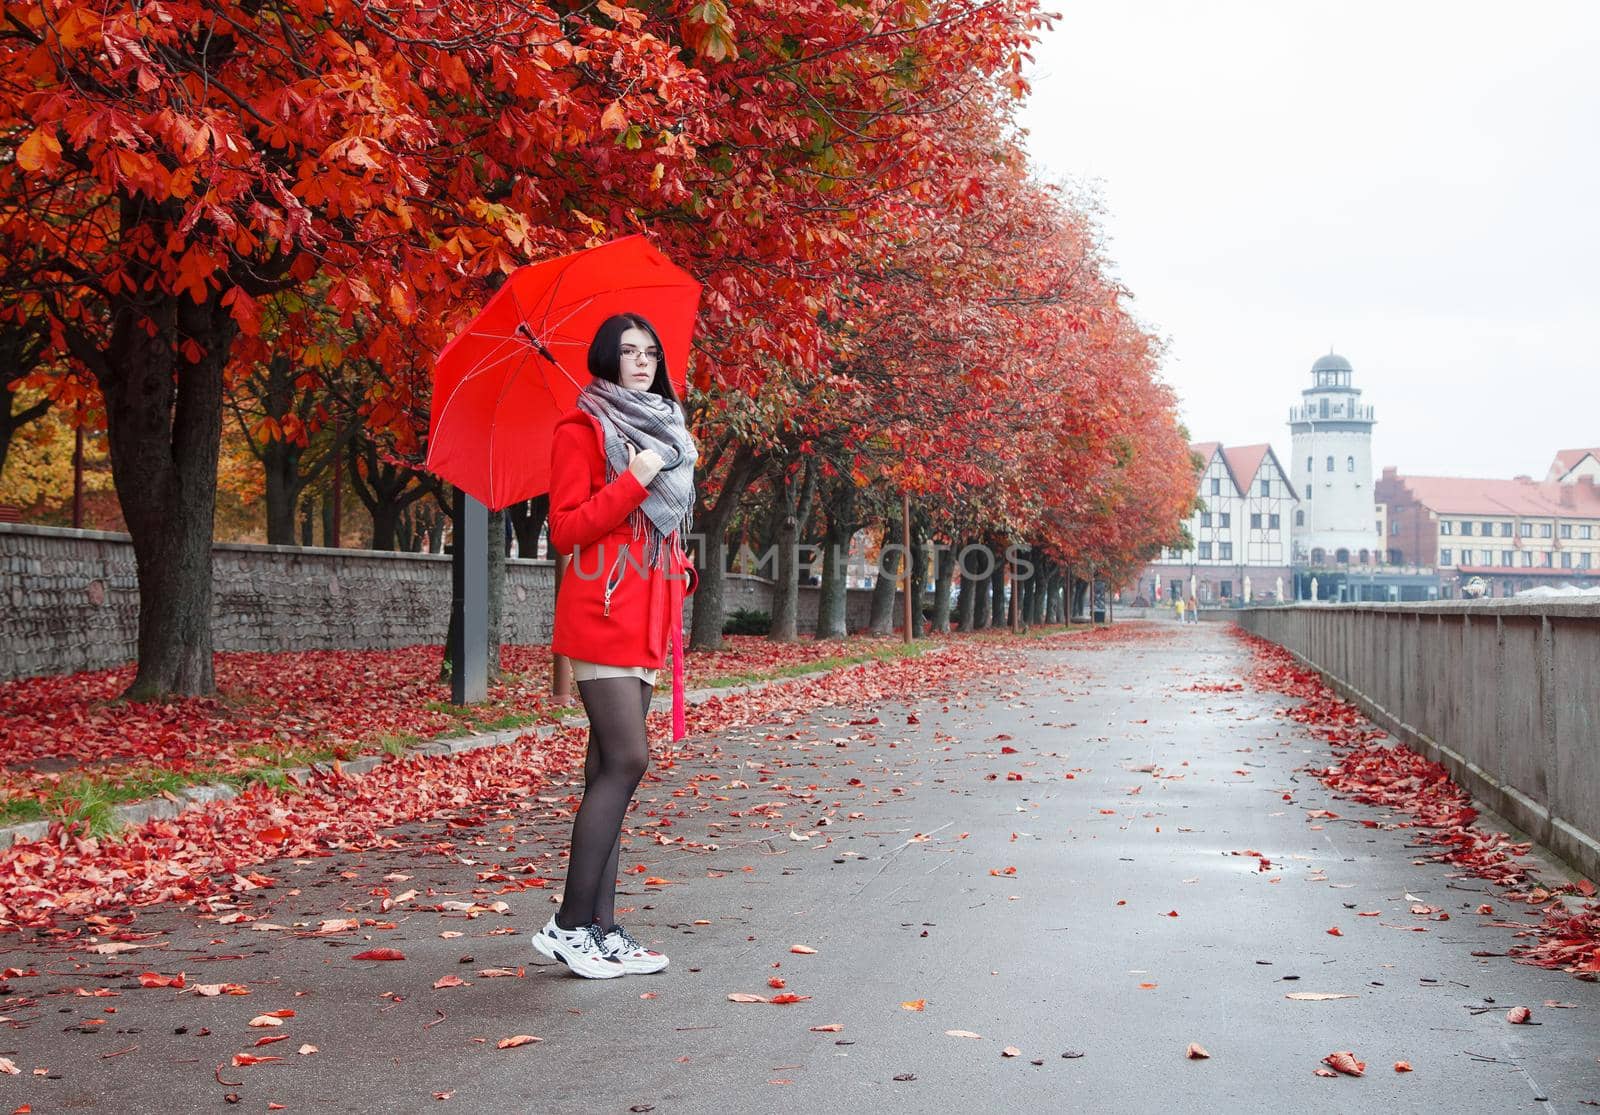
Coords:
pixel 20 811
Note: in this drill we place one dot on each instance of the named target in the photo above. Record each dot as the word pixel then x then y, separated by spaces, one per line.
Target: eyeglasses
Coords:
pixel 653 355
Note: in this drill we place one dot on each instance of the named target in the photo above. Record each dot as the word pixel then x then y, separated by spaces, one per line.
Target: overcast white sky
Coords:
pixel 1415 183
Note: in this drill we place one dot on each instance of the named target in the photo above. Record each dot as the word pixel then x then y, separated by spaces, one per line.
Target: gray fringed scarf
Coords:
pixel 649 422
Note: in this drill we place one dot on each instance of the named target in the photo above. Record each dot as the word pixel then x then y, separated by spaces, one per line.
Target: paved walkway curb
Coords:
pixel 134 813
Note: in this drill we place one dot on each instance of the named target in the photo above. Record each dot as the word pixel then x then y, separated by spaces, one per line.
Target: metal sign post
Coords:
pixel 469 573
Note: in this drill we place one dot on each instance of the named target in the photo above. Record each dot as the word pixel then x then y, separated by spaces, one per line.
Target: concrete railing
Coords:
pixel 1505 694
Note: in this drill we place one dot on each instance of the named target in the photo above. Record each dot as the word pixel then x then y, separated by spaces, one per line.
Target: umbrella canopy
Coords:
pixel 500 385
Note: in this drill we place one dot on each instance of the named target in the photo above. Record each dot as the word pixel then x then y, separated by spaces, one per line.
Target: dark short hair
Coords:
pixel 605 353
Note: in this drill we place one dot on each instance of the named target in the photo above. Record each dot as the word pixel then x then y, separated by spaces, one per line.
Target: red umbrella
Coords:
pixel 500 385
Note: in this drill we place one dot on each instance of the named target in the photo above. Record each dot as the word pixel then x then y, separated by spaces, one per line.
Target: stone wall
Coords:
pixel 71 599
pixel 1506 694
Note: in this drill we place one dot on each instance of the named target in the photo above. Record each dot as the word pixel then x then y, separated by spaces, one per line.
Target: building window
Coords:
pixel 1505 530
pixel 1444 558
pixel 1311 489
pixel 1466 526
pixel 1309 467
pixel 1205 551
pixel 1299 518
pixel 1330 459
pixel 1508 558
pixel 1216 485
pixel 1255 520
pixel 1366 558
pixel 1527 559
pixel 1586 531
pixel 1394 557
pixel 1266 487
pixel 1226 588
pixel 1546 530
pixel 1205 518
pixel 1224 519
pixel 1566 559
pixel 1546 559
pixel 1566 530
pixel 1527 530
pixel 1318 556
pixel 1466 557
pixel 1324 409
pixel 1177 589
pixel 1446 527
pixel 1225 551
pixel 1349 464
pixel 1585 560
pixel 1394 527
pixel 1273 522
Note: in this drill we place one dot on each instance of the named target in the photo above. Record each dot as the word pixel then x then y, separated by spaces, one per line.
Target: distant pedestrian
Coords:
pixel 1194 610
pixel 621 483
pixel 1177 607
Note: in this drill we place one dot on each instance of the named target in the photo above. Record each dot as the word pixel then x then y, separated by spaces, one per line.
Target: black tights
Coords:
pixel 618 756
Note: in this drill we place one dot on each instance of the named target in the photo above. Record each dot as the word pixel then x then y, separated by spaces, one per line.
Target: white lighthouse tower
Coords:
pixel 1331 468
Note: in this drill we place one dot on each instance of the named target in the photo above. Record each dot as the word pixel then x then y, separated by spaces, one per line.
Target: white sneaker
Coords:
pixel 579 949
pixel 636 959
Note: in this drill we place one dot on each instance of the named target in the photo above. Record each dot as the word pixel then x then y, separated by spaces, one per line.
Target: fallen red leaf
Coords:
pixel 379 954
pixel 1344 1061
pixel 1519 1016
pixel 1196 1052
pixel 242 1059
pixel 516 1040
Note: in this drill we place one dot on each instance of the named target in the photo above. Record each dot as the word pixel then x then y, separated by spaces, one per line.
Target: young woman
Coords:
pixel 621 493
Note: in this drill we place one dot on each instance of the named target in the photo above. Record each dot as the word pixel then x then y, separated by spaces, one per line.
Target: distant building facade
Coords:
pixel 1240 534
pixel 1513 534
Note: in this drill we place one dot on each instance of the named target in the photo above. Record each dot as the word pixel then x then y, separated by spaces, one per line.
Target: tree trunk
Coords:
pixel 280 460
pixel 832 598
pixel 794 508
pixel 164 428
pixel 943 576
pixel 527 521
pixel 982 596
pixel 280 457
pixel 997 587
pixel 918 576
pixel 712 526
pixel 881 616
pixel 20 347
pixel 967 606
pixel 329 524
pixel 384 489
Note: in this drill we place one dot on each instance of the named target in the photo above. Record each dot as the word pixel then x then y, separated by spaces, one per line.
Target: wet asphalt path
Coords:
pixel 1026 897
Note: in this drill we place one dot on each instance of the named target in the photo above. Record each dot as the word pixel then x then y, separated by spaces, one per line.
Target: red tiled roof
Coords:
pixel 1243 461
pixel 1205 449
pixel 1569 459
pixel 1458 496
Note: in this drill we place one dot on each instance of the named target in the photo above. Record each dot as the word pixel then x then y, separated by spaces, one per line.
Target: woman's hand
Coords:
pixel 644 464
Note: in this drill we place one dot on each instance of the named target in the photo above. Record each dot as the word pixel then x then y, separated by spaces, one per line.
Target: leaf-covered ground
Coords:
pixel 67 737
pixel 216 851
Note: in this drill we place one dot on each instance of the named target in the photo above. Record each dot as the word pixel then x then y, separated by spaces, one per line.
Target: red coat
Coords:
pixel 589 519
